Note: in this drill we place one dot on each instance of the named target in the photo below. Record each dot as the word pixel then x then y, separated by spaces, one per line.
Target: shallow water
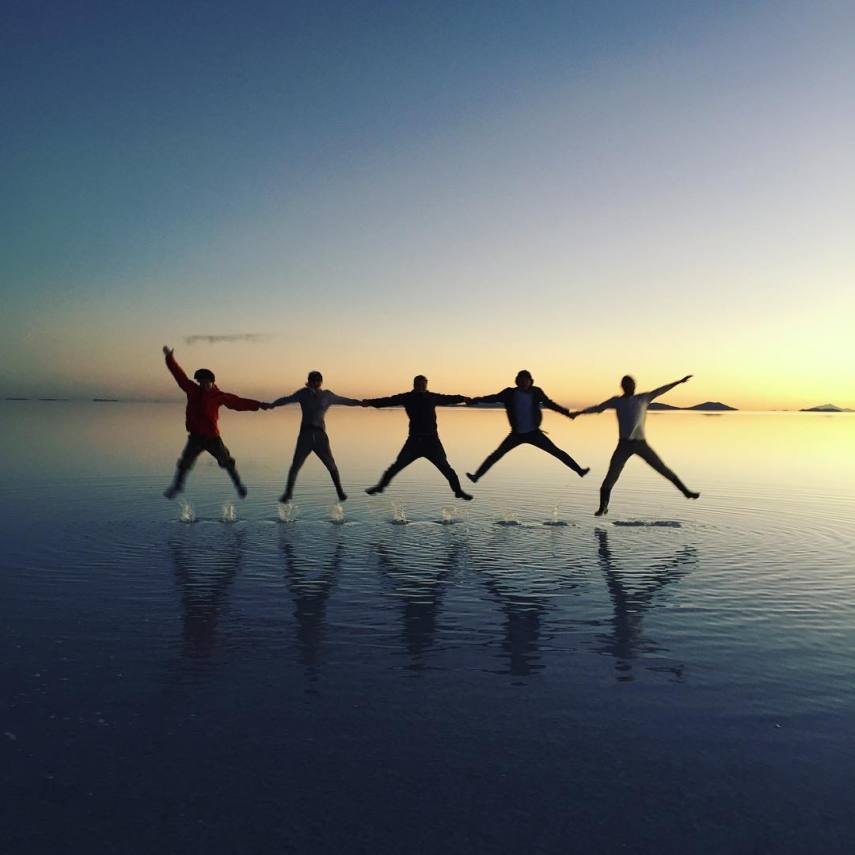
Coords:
pixel 411 673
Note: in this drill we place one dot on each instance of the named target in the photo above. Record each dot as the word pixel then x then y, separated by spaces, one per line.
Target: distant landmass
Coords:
pixel 106 400
pixel 707 406
pixel 826 408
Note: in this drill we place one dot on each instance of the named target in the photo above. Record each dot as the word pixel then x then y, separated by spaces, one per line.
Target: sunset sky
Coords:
pixel 379 189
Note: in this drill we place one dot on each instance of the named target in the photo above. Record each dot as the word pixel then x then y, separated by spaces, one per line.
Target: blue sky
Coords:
pixel 582 188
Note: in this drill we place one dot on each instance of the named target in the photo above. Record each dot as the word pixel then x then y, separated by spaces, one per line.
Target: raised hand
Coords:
pixel 167 351
pixel 687 377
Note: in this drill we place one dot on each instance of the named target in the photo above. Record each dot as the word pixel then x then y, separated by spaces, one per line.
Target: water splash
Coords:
pixel 337 515
pixel 399 515
pixel 449 516
pixel 287 512
pixel 186 514
pixel 556 519
pixel 509 518
pixel 229 513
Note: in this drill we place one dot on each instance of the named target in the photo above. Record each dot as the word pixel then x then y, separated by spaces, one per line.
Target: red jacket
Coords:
pixel 203 406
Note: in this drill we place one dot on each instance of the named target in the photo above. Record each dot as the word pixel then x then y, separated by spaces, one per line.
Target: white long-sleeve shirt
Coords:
pixel 315 403
pixel 631 410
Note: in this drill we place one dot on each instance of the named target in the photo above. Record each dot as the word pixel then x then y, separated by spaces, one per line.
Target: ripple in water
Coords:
pixel 186 514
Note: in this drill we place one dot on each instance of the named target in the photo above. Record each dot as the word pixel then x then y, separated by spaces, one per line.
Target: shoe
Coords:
pixel 285 498
pixel 583 472
pixel 601 511
pixel 171 492
pixel 461 495
pixel 241 490
pixel 693 495
pixel 342 496
pixel 472 478
pixel 373 491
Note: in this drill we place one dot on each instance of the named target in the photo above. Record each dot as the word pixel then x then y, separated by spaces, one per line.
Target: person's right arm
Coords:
pixel 176 370
pixel 499 397
pixel 390 401
pixel 597 408
pixel 288 399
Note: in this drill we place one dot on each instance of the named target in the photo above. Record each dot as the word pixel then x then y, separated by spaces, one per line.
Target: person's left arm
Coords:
pixel 347 402
pixel 666 388
pixel 449 400
pixel 546 401
pixel 234 402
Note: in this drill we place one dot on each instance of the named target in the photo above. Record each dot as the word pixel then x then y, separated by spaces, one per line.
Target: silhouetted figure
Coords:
pixel 631 411
pixel 204 577
pixel 204 400
pixel 523 405
pixel 311 582
pixel 630 604
pixel 423 439
pixel 314 402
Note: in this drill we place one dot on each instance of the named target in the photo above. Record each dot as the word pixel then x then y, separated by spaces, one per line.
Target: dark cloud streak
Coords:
pixel 229 337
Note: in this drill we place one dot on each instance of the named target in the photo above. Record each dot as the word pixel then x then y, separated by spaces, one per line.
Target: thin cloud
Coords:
pixel 229 337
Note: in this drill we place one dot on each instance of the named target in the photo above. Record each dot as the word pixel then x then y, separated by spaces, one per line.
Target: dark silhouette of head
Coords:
pixel 315 380
pixel 627 383
pixel 204 377
pixel 420 383
pixel 524 380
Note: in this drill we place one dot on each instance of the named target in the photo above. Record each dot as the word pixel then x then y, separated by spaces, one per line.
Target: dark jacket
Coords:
pixel 420 407
pixel 539 399
pixel 203 406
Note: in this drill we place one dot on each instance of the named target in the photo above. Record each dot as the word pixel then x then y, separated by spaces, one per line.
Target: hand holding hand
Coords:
pixel 265 406
pixel 572 416
pixel 364 403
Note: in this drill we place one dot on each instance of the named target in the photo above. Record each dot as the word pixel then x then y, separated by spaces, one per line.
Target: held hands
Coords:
pixel 265 406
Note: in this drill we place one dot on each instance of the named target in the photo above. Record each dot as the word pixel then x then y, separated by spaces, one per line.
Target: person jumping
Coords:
pixel 523 406
pixel 423 439
pixel 631 411
pixel 204 400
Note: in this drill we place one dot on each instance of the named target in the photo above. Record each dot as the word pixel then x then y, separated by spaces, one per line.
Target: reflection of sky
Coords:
pixel 582 189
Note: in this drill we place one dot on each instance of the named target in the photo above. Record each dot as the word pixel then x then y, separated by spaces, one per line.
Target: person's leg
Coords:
pixel 646 453
pixel 512 440
pixel 619 457
pixel 323 450
pixel 540 440
pixel 409 452
pixel 217 448
pixel 436 454
pixel 301 452
pixel 192 450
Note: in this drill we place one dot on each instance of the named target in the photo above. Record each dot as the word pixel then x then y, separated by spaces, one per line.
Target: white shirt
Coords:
pixel 631 413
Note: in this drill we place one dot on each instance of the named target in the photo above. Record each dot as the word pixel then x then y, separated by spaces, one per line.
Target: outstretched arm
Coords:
pixel 449 400
pixel 597 408
pixel 347 402
pixel 287 399
pixel 546 401
pixel 176 370
pixel 234 402
pixel 488 399
pixel 390 401
pixel 667 387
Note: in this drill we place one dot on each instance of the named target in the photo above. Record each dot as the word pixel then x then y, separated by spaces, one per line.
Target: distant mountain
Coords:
pixel 716 406
pixel 655 405
pixel 826 408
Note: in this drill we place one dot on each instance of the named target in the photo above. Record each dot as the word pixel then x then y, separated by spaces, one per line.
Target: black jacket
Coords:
pixel 539 399
pixel 420 407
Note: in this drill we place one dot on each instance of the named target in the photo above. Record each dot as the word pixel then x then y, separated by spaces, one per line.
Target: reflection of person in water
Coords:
pixel 524 612
pixel 630 605
pixel 310 583
pixel 204 575
pixel 421 598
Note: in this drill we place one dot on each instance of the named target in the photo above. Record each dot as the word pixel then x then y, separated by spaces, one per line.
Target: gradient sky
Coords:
pixel 583 189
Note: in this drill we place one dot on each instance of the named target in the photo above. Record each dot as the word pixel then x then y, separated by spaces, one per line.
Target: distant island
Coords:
pixel 106 400
pixel 826 408
pixel 707 406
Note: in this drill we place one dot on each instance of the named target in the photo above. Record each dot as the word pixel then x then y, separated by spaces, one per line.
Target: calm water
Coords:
pixel 420 675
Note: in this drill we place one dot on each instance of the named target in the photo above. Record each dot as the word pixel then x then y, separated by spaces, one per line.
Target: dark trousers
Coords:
pixel 431 449
pixel 196 444
pixel 625 449
pixel 308 440
pixel 536 438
